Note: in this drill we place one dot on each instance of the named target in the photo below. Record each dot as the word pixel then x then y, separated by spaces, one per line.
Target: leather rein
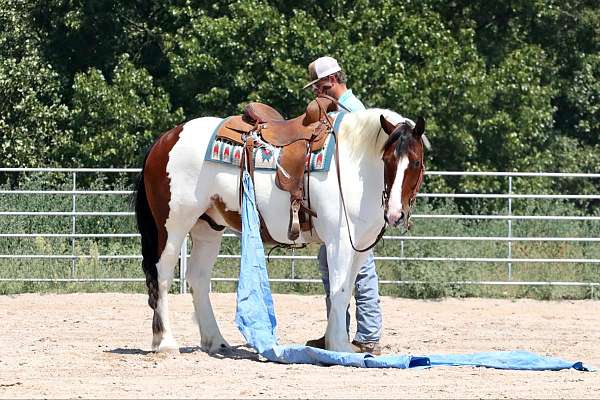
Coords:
pixel 337 169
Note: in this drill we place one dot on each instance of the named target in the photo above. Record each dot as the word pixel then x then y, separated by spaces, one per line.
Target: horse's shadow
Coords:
pixel 125 351
pixel 240 352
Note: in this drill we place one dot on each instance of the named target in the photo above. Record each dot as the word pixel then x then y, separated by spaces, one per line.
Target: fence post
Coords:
pixel 73 223
pixel 183 266
pixel 510 227
pixel 293 264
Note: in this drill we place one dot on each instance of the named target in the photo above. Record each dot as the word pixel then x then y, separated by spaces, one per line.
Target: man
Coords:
pixel 327 77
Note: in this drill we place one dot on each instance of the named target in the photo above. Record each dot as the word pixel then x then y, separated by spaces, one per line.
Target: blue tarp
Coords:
pixel 255 317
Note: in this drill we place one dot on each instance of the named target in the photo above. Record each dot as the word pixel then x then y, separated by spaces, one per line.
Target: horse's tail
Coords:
pixel 149 232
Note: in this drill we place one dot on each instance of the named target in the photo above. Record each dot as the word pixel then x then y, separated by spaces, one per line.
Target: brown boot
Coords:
pixel 370 347
pixel 318 343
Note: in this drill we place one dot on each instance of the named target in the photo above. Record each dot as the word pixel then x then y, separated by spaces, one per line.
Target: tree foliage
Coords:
pixel 32 110
pixel 509 85
pixel 112 122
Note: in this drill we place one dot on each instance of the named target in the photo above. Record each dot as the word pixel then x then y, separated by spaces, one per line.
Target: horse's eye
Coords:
pixel 416 163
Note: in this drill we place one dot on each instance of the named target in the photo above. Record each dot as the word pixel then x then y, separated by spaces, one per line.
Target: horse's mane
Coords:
pixel 361 131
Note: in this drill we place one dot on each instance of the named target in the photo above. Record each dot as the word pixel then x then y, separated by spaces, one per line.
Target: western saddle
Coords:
pixel 297 138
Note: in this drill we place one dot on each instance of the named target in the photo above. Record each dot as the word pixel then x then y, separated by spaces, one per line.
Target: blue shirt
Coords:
pixel 351 102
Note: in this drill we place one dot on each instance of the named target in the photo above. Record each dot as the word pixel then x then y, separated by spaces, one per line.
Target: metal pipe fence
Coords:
pixel 75 193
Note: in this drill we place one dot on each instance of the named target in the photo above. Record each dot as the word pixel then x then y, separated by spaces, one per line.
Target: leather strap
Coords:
pixel 211 222
pixel 326 120
pixel 307 169
pixel 335 101
pixel 337 168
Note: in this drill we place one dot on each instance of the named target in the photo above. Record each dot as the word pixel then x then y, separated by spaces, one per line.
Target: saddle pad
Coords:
pixel 226 152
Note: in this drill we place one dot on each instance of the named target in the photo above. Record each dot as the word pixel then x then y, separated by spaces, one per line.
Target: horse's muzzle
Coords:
pixel 395 219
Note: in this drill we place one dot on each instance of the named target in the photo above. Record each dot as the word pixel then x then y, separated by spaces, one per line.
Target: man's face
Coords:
pixel 323 85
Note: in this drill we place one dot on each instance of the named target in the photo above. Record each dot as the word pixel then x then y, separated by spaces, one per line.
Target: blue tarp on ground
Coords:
pixel 255 317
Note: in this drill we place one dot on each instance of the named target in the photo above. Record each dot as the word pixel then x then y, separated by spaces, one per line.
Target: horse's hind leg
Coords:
pixel 178 225
pixel 205 248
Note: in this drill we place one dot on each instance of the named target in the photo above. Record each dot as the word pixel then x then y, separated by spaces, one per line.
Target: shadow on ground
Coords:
pixel 241 352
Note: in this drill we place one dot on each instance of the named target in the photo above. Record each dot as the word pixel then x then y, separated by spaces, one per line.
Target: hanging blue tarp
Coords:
pixel 255 317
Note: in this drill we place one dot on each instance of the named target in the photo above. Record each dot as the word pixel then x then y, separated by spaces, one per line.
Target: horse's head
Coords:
pixel 403 169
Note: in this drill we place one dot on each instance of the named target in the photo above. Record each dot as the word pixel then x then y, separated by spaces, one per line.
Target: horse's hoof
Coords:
pixel 224 350
pixel 219 348
pixel 215 346
pixel 156 340
pixel 168 346
pixel 341 347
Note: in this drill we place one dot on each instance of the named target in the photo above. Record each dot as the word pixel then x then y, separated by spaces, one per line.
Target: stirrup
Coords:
pixel 294 227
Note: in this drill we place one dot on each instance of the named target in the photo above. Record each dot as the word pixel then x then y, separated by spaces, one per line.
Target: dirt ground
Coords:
pixel 97 346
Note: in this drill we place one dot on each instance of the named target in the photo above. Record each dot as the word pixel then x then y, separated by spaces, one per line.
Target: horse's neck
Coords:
pixel 361 167
pixel 360 138
pixel 365 168
pixel 361 135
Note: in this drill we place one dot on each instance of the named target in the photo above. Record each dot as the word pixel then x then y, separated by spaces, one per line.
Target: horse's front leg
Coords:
pixel 344 264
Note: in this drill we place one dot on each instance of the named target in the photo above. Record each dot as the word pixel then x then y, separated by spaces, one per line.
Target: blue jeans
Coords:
pixel 366 293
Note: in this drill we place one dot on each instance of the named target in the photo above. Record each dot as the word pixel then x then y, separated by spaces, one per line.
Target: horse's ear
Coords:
pixel 419 127
pixel 387 126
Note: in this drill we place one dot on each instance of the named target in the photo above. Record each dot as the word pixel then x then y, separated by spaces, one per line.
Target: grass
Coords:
pixel 431 279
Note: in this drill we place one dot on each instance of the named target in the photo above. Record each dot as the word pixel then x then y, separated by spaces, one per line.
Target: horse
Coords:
pixel 373 180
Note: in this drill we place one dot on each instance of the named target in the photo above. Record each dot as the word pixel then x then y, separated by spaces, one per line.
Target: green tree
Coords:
pixel 510 85
pixel 114 121
pixel 32 112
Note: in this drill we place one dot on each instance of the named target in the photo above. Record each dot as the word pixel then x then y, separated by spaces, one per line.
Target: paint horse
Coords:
pixel 373 180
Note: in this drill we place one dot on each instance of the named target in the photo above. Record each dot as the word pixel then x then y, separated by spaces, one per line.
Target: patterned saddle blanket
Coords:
pixel 224 151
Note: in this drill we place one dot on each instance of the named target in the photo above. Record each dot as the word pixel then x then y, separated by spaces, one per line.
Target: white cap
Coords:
pixel 320 68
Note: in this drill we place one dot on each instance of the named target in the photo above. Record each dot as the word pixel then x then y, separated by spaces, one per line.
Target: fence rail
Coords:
pixel 509 217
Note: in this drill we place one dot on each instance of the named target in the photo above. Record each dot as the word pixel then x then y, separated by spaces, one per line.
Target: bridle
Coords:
pixel 387 186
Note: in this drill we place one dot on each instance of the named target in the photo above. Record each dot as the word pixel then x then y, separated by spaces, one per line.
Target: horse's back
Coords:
pixel 192 135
